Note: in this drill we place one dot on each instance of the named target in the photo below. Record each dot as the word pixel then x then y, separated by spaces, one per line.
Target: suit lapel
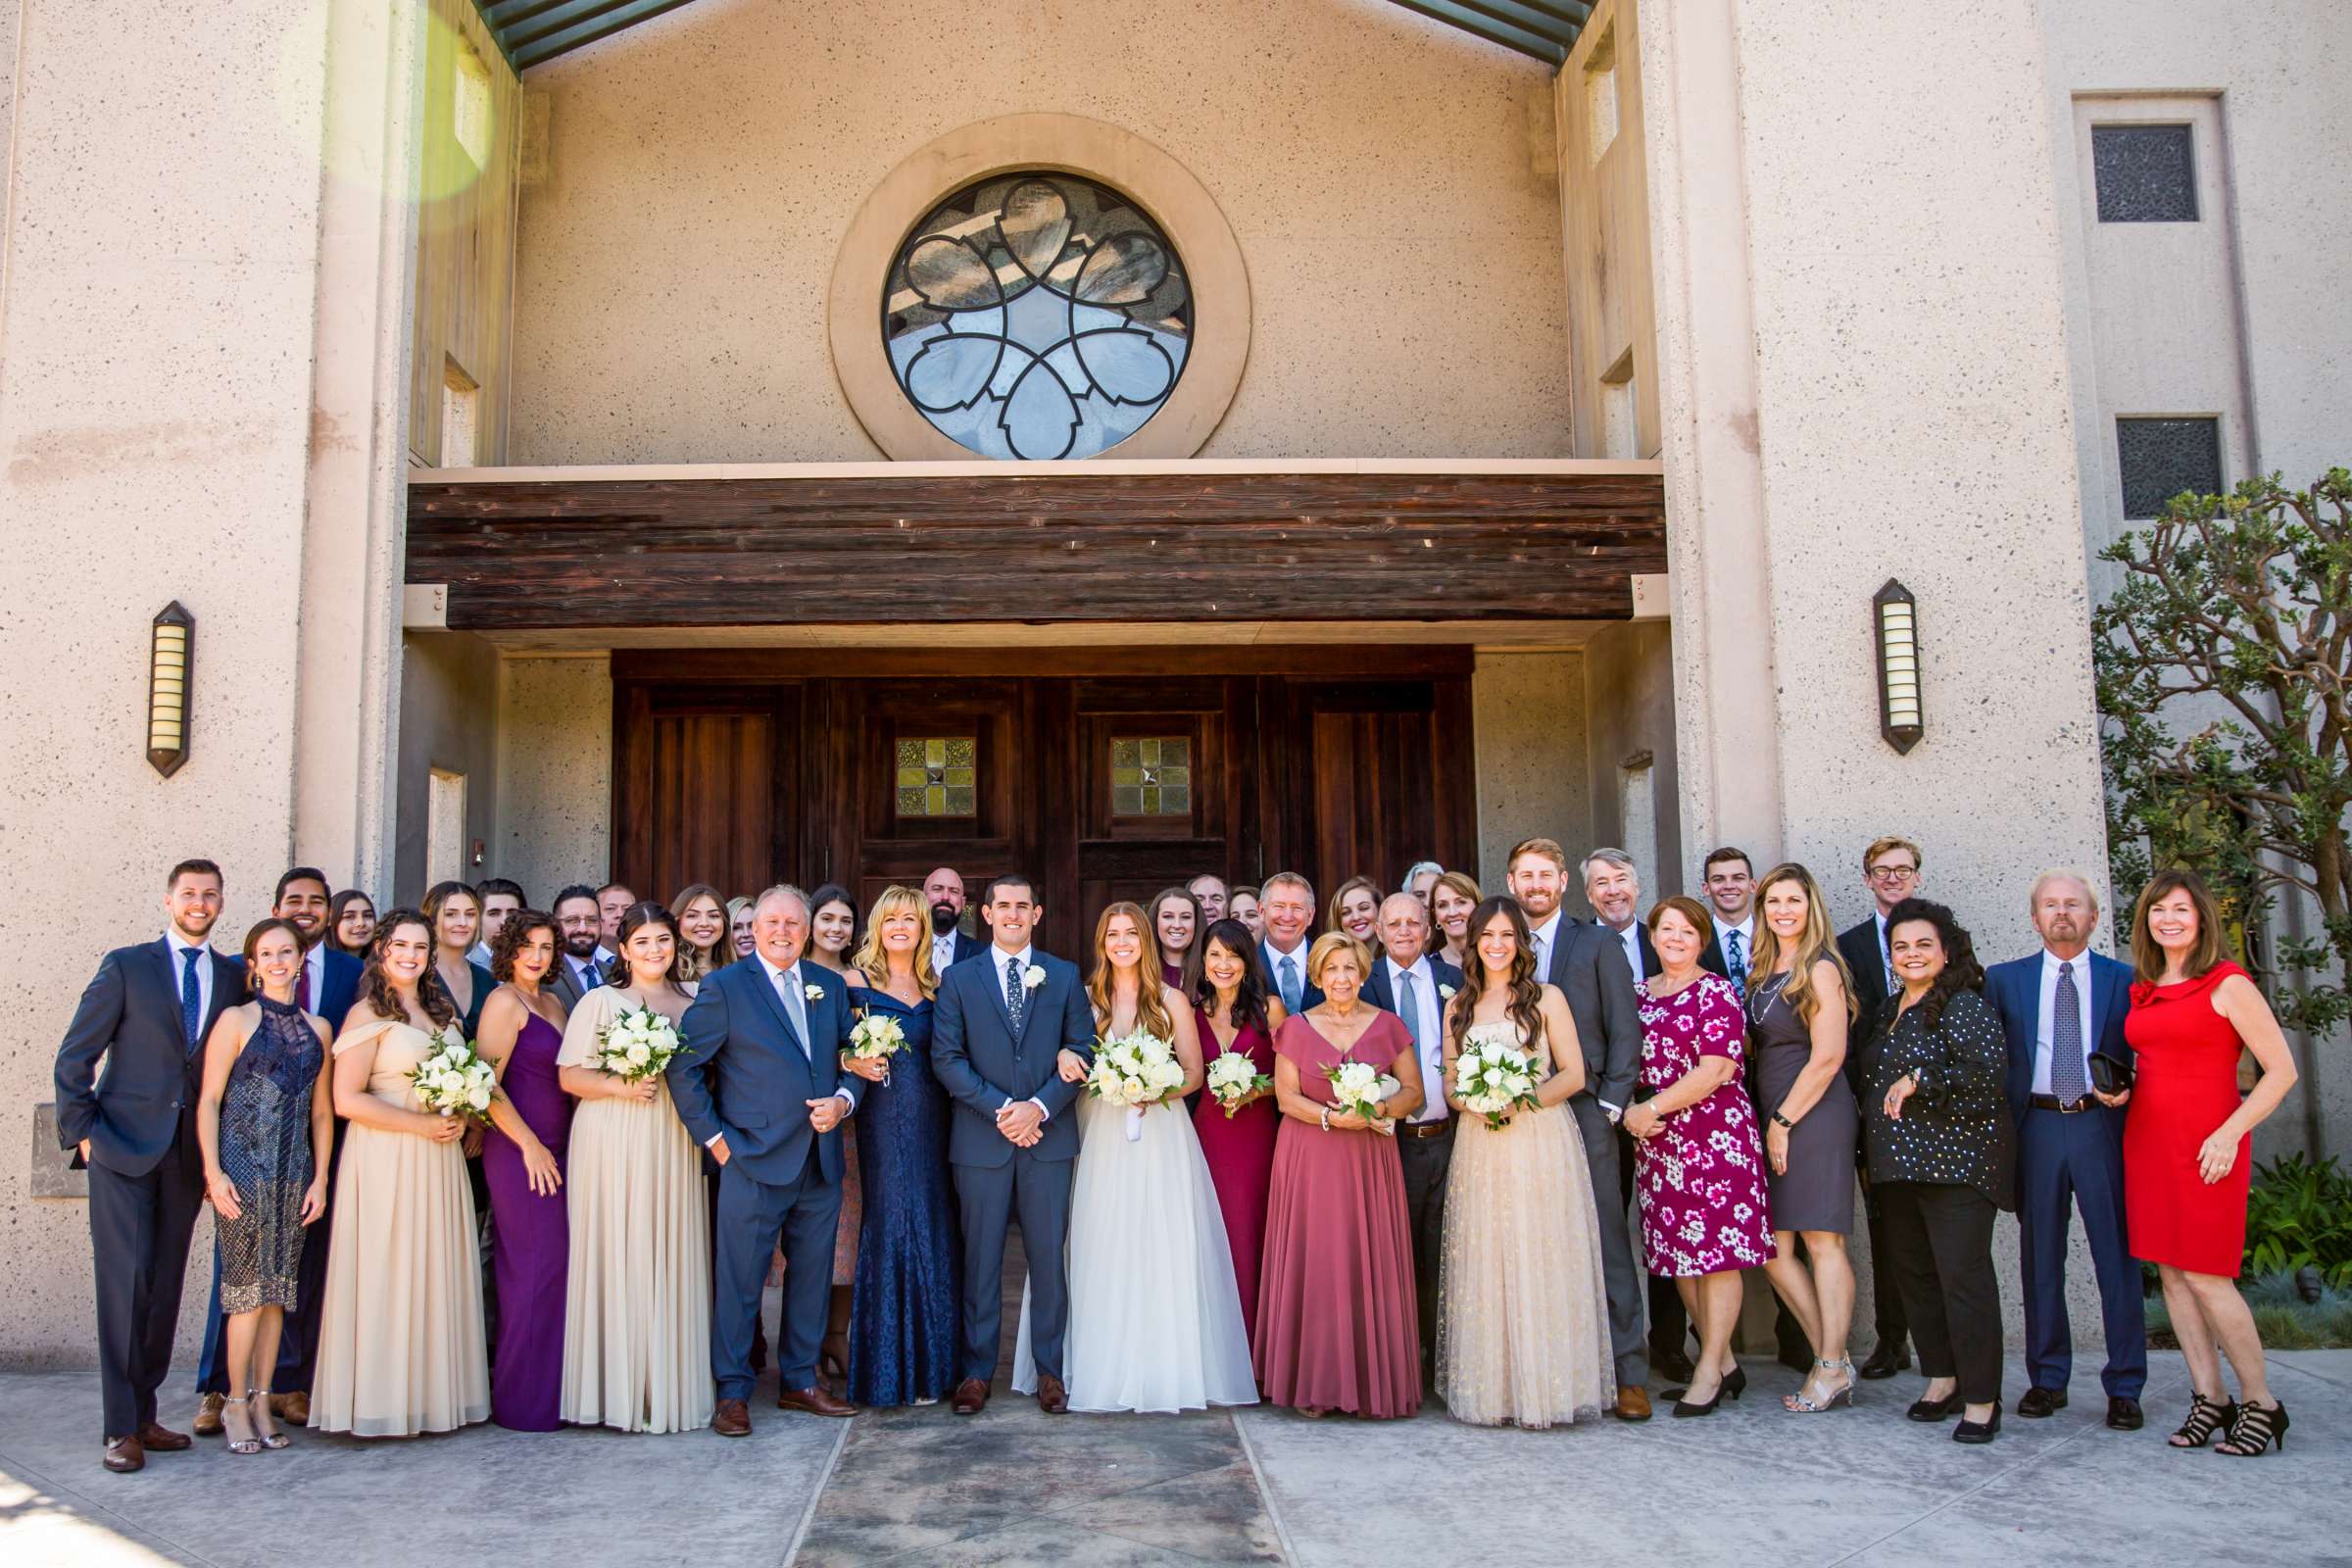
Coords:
pixel 225 976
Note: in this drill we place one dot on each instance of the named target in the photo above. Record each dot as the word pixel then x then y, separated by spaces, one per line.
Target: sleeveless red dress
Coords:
pixel 2186 1087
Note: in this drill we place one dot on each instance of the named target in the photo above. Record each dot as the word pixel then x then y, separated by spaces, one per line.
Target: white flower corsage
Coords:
pixel 813 992
pixel 1444 992
pixel 1032 977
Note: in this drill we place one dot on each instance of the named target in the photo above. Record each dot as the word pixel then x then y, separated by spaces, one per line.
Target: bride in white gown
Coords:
pixel 1155 1321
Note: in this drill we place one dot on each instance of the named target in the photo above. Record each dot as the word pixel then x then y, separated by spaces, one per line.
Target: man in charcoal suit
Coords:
pixel 1890 869
pixel 1587 964
pixel 943 893
pixel 1408 982
pixel 145 1016
pixel 584 962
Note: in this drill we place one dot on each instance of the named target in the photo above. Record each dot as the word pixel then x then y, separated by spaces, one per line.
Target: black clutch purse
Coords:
pixel 2109 1076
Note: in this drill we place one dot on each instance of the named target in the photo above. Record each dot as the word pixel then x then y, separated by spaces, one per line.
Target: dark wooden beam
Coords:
pixel 1162 662
pixel 1036 549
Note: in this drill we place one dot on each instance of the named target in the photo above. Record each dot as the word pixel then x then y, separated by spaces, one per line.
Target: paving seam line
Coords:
pixel 816 1492
pixel 84 1503
pixel 1265 1491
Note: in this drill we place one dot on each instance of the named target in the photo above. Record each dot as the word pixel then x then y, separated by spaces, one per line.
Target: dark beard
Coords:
pixel 582 948
pixel 943 919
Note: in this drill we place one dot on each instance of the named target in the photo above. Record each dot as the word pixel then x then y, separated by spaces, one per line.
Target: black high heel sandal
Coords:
pixel 2205 1417
pixel 2256 1427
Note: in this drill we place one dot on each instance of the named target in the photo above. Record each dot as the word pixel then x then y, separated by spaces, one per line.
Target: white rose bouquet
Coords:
pixel 1136 1070
pixel 1232 1077
pixel 453 1080
pixel 636 1044
pixel 1358 1088
pixel 1493 1075
pixel 878 1034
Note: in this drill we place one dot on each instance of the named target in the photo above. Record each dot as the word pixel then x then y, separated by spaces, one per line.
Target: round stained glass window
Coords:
pixel 1037 316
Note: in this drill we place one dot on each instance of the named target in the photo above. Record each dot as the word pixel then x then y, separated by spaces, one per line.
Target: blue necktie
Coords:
pixel 796 1007
pixel 1737 961
pixel 1290 982
pixel 1015 994
pixel 2066 1039
pixel 191 1001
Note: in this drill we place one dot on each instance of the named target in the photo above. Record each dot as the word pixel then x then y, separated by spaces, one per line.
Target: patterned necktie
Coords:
pixel 1290 982
pixel 191 1001
pixel 1735 960
pixel 796 1007
pixel 1016 995
pixel 2066 1039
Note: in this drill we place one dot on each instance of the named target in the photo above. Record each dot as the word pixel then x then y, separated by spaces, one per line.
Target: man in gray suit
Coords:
pixel 581 966
pixel 1587 964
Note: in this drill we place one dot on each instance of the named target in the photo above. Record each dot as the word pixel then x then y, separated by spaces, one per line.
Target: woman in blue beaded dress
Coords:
pixel 263 1112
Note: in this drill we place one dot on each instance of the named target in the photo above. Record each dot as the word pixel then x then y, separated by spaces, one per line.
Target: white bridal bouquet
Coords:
pixel 1359 1087
pixel 1493 1075
pixel 878 1034
pixel 1232 1076
pixel 1135 1070
pixel 636 1044
pixel 454 1081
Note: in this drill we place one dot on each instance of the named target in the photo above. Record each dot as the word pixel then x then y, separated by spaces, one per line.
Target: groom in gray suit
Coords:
pixel 1004 1017
pixel 758 1083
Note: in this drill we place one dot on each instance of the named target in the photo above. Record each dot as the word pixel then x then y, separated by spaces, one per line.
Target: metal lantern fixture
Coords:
pixel 170 668
pixel 1894 627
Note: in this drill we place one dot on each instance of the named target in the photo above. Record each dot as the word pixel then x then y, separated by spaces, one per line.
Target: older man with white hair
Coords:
pixel 2060 1008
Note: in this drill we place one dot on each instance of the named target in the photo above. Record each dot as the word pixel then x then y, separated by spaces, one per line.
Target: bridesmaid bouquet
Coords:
pixel 1135 1070
pixel 454 1081
pixel 636 1044
pixel 1232 1076
pixel 876 1035
pixel 1359 1087
pixel 1494 1076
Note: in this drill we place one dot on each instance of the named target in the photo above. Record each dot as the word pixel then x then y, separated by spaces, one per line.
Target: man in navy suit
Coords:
pixel 146 1016
pixel 1001 1022
pixel 1409 983
pixel 328 986
pixel 2059 1007
pixel 1288 904
pixel 943 891
pixel 758 1083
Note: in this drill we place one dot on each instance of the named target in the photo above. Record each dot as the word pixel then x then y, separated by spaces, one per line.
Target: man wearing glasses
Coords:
pixel 1890 869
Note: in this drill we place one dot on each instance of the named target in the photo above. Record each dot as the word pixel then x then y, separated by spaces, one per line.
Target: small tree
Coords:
pixel 2241 603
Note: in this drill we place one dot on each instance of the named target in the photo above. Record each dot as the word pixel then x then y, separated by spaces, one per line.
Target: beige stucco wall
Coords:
pixel 1388 178
pixel 1529 725
pixel 555 772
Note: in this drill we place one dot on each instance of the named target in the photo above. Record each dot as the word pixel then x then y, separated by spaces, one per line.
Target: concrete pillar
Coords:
pixel 179 307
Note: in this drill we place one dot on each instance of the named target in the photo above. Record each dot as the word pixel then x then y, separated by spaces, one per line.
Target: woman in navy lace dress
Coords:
pixel 905 1318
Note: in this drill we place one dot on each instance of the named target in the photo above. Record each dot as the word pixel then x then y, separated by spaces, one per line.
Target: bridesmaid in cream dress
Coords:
pixel 1523 1324
pixel 637 1302
pixel 401 1348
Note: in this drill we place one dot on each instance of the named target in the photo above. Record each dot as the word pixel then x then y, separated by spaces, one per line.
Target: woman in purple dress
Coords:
pixel 522 1162
pixel 1234 1013
pixel 1698 1162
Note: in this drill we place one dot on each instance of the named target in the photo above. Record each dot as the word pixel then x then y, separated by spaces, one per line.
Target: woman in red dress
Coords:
pixel 1336 1322
pixel 1235 1015
pixel 2187 1147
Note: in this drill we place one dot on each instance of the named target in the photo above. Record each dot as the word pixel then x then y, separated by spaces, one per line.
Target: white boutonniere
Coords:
pixel 1444 992
pixel 1032 977
pixel 813 992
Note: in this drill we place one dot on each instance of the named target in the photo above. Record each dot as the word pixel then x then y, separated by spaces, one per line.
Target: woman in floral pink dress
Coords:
pixel 1698 1160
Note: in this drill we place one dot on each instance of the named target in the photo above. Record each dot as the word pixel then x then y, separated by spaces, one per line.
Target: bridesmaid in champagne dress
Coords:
pixel 400 1340
pixel 637 1297
pixel 1234 1013
pixel 522 1029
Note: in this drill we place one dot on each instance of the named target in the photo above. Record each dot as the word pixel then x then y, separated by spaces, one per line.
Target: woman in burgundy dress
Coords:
pixel 2187 1147
pixel 522 1162
pixel 1337 1326
pixel 1698 1160
pixel 1234 1013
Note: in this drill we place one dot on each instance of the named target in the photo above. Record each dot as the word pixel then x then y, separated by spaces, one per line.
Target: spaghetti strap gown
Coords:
pixel 1337 1325
pixel 1239 1150
pixel 2186 1087
pixel 529 1246
pixel 399 1337
pixel 906 1316
pixel 265 1153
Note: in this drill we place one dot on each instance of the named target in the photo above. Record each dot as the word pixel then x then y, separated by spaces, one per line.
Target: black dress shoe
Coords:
pixel 2123 1414
pixel 2038 1402
pixel 1934 1411
pixel 1979 1431
pixel 1891 1356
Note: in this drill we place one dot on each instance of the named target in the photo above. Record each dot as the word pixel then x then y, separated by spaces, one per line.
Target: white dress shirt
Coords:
pixel 1544 936
pixel 943 950
pixel 1274 956
pixel 2045 1014
pixel 996 961
pixel 1428 1028
pixel 479 953
pixel 181 947
pixel 1630 939
pixel 1747 939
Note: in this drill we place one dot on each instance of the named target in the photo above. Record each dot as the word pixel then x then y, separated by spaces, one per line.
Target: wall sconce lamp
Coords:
pixel 170 666
pixel 1894 627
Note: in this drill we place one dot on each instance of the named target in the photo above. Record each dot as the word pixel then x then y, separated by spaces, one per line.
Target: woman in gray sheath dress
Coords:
pixel 1797 1027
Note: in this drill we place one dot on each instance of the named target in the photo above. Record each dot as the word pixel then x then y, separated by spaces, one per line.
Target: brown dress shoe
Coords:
pixel 1633 1403
pixel 971 1396
pixel 732 1419
pixel 208 1414
pixel 124 1454
pixel 814 1401
pixel 163 1440
pixel 292 1408
pixel 1052 1396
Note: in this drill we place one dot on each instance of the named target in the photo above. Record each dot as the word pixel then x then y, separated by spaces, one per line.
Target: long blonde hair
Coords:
pixel 1814 943
pixel 1151 990
pixel 872 962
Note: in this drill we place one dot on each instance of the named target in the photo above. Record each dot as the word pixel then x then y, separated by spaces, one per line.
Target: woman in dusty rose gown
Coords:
pixel 1337 1325
pixel 1234 1013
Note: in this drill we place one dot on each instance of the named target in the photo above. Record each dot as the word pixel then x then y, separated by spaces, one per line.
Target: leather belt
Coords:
pixel 2063 1109
pixel 1425 1129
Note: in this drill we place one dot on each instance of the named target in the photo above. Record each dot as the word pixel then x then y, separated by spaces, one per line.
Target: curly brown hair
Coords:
pixel 513 932
pixel 1961 972
pixel 375 986
pixel 1526 1007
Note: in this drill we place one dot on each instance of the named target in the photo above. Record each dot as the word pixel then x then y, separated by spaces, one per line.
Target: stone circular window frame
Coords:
pixel 1067 144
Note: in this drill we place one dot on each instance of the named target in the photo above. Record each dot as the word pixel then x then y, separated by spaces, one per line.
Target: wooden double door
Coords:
pixel 1102 775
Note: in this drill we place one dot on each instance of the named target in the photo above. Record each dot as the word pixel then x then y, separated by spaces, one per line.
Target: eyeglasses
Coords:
pixel 1893 873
